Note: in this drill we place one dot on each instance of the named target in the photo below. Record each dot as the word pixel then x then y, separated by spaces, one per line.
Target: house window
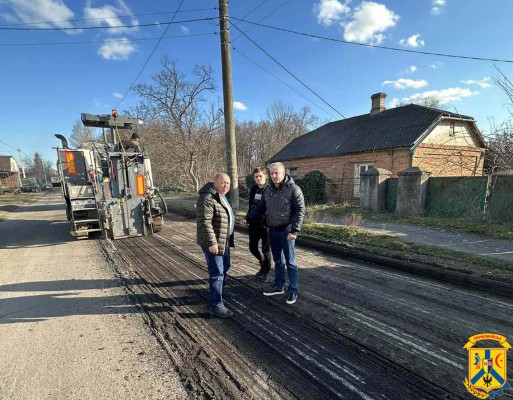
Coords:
pixel 358 169
pixel 292 172
pixel 452 129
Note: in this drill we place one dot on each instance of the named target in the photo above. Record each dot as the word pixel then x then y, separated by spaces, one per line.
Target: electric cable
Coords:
pixel 151 54
pixel 282 81
pixel 373 45
pixel 289 72
pixel 172 22
pixel 103 18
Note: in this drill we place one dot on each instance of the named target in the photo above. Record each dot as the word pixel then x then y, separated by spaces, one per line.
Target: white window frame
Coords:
pixel 358 169
pixel 289 170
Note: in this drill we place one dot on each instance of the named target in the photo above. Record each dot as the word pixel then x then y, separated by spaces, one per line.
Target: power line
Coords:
pixel 104 41
pixel 264 69
pixel 102 18
pixel 372 45
pixel 151 54
pixel 282 81
pixel 290 73
pixel 261 19
pixel 111 27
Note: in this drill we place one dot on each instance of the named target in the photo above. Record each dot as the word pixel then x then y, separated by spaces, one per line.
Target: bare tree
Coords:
pixel 80 134
pixel 499 152
pixel 177 101
pixel 257 142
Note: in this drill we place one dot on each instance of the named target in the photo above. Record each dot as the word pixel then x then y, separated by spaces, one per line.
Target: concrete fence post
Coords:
pixel 373 187
pixel 412 192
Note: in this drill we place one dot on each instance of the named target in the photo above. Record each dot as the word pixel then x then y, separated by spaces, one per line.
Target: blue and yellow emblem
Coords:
pixel 487 367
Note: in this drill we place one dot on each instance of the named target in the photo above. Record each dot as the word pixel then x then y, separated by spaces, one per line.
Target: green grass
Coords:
pixel 492 230
pixel 380 244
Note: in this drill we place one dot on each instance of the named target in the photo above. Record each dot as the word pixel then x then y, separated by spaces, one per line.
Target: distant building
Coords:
pixel 437 141
pixel 9 175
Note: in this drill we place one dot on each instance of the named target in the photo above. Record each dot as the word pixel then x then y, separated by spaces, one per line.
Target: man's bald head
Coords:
pixel 222 184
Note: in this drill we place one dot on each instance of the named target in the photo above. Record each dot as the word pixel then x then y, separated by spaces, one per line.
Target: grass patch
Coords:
pixel 329 212
pixel 380 244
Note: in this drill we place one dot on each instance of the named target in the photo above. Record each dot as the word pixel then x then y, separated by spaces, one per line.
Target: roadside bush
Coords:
pixel 313 186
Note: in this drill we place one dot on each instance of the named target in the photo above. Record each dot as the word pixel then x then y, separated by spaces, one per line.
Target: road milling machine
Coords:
pixel 108 188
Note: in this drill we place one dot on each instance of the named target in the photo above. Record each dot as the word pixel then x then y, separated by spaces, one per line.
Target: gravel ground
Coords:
pixel 68 330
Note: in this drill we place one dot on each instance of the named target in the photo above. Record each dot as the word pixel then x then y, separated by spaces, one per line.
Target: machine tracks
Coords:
pixel 268 349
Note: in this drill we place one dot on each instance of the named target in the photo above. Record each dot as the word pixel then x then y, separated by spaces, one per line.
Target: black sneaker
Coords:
pixel 273 291
pixel 292 298
pixel 221 311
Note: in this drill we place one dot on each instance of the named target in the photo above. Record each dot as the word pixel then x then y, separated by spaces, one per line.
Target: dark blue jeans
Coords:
pixel 217 266
pixel 283 253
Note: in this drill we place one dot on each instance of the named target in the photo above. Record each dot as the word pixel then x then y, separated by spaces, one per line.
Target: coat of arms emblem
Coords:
pixel 487 367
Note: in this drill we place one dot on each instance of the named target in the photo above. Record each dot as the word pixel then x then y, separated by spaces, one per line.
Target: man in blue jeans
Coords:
pixel 215 224
pixel 284 207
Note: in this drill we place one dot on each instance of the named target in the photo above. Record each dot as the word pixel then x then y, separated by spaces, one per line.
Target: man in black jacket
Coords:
pixel 258 231
pixel 284 207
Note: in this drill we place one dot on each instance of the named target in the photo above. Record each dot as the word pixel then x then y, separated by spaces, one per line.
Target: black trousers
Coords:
pixel 259 233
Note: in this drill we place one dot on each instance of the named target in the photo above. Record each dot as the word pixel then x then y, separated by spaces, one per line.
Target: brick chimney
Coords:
pixel 378 103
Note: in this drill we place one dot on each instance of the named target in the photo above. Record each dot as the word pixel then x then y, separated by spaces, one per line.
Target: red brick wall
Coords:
pixel 436 159
pixel 340 169
pixel 449 160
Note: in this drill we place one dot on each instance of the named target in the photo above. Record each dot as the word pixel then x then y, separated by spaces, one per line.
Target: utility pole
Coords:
pixel 21 162
pixel 229 126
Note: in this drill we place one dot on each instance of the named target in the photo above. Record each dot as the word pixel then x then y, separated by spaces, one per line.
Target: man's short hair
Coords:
pixel 219 175
pixel 259 169
pixel 277 165
pixel 135 135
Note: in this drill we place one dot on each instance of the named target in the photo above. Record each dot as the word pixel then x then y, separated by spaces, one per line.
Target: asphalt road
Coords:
pixel 357 330
pixel 72 312
pixel 68 329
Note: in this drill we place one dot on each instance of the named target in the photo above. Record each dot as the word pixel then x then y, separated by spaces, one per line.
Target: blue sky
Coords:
pixel 47 78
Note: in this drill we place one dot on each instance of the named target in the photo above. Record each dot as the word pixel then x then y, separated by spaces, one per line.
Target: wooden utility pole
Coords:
pixel 229 125
pixel 21 162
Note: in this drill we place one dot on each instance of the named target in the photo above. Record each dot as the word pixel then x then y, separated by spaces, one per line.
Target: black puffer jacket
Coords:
pixel 212 221
pixel 253 203
pixel 284 206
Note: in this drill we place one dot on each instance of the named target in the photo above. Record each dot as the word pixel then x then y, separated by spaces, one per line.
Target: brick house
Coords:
pixel 439 142
pixel 9 174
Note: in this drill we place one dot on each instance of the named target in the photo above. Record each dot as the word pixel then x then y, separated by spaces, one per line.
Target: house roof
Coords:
pixel 5 163
pixel 399 127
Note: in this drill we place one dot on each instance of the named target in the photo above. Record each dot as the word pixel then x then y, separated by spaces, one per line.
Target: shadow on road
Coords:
pixel 45 306
pixel 15 233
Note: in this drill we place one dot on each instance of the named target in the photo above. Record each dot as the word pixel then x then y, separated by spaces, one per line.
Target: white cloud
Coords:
pixel 435 65
pixel 412 69
pixel 117 95
pixel 368 23
pixel 116 50
pixel 444 96
pixel 403 83
pixel 437 6
pixel 185 30
pixel 329 11
pixel 31 11
pixel 394 102
pixel 239 106
pixel 483 83
pixel 413 41
pixel 108 16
